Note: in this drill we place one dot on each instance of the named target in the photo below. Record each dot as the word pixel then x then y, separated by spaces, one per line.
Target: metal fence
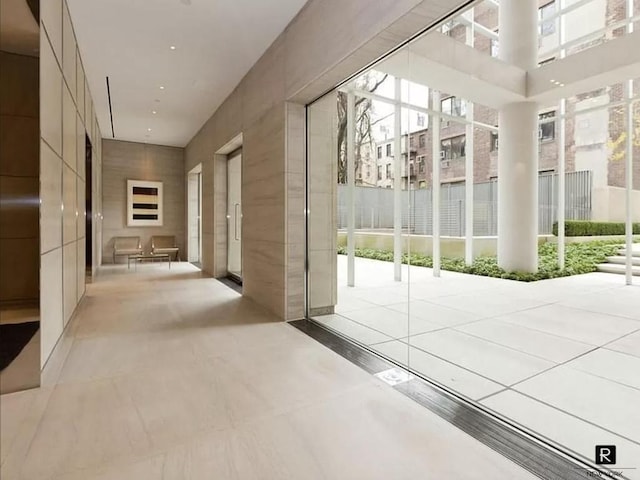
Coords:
pixel 374 206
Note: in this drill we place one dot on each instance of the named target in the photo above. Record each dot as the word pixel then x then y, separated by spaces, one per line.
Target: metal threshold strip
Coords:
pixel 537 456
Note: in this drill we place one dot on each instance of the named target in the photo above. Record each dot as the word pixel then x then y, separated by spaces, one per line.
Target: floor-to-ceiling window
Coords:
pixel 471 214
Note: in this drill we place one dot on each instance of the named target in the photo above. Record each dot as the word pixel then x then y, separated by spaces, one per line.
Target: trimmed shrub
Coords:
pixel 585 228
pixel 579 258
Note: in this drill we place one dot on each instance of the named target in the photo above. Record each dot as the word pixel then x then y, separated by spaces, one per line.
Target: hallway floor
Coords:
pixel 560 357
pixel 168 374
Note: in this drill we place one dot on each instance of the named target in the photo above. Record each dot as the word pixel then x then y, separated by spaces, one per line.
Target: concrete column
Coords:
pixel 518 145
pixel 629 167
pixel 561 182
pixel 435 188
pixel 351 183
pixel 469 159
pixel 562 110
pixel 629 186
pixel 397 185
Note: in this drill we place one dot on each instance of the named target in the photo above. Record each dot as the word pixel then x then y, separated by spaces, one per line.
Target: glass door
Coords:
pixel 358 196
pixel 194 209
pixel 234 216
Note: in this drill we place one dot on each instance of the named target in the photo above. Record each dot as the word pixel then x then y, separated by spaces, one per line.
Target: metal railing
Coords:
pixel 374 206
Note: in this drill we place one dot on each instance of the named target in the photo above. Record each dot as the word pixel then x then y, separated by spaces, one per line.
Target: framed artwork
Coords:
pixel 144 203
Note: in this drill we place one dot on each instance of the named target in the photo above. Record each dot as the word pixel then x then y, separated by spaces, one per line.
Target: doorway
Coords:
pixel 194 215
pixel 234 216
pixel 88 202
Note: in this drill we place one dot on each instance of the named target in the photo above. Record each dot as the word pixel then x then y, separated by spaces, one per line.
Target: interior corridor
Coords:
pixel 170 374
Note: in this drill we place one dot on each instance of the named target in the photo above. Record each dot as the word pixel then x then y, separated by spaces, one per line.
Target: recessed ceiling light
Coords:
pixel 154 112
pixel 161 87
pixel 562 84
pixel 552 81
pixel 172 47
pixel 148 129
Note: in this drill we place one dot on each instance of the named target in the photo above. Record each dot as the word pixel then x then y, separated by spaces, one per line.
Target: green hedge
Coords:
pixel 580 228
pixel 579 258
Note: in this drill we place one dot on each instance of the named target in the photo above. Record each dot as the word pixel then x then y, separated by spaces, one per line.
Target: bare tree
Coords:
pixel 363 110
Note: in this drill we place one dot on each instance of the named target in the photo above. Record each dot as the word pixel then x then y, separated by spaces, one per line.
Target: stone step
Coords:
pixel 616 268
pixel 635 252
pixel 622 260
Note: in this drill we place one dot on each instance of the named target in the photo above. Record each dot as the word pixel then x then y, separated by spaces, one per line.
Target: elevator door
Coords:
pixel 234 216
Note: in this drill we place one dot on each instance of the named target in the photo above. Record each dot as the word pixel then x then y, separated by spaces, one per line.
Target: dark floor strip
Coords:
pixel 544 461
pixel 231 284
pixel 13 338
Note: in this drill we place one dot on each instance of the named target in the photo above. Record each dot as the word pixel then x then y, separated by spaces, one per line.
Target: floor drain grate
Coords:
pixel 394 376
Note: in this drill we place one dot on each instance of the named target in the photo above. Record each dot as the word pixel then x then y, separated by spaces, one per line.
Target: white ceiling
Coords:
pixel 217 42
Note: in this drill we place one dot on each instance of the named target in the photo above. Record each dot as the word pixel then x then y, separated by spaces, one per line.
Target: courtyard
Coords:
pixel 558 357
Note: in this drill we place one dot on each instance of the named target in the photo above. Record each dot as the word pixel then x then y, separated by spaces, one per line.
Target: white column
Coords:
pixel 397 185
pixel 562 110
pixel 468 167
pixel 468 190
pixel 435 189
pixel 561 182
pixel 351 186
pixel 629 167
pixel 518 145
pixel 629 187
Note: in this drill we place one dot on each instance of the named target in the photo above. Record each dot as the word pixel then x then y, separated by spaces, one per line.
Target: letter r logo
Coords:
pixel 605 454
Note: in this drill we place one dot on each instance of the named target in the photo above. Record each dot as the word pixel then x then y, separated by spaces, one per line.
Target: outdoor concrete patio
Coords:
pixel 560 357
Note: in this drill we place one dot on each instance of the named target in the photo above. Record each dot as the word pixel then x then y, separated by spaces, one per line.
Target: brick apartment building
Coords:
pixel 590 138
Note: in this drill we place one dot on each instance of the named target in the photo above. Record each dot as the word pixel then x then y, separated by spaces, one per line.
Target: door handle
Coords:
pixel 237 218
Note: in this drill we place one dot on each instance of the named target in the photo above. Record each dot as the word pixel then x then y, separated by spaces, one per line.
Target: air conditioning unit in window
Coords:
pixel 443 155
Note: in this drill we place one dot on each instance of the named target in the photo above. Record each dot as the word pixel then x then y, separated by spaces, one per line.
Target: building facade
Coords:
pixel 593 140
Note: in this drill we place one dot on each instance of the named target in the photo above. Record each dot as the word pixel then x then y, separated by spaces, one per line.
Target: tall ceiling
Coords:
pixel 216 43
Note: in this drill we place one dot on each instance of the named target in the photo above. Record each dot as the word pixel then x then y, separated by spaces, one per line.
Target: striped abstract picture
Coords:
pixel 145 203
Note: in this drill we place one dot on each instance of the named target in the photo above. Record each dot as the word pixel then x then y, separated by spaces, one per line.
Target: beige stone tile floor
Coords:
pixel 168 374
pixel 559 357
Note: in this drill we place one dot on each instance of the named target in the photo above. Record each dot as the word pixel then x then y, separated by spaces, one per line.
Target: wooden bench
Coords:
pixel 165 244
pixel 126 246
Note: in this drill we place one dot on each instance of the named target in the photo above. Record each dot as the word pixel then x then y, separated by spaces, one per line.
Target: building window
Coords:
pixel 379 152
pixel 380 172
pixel 411 141
pixel 388 149
pixel 422 141
pixel 389 171
pixel 420 120
pixel 453 106
pixel 547 27
pixel 421 165
pixel 547 130
pixel 494 141
pixel 452 148
pixel 423 184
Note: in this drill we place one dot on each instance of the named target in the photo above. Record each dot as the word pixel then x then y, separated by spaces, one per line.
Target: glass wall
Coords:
pixel 423 192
